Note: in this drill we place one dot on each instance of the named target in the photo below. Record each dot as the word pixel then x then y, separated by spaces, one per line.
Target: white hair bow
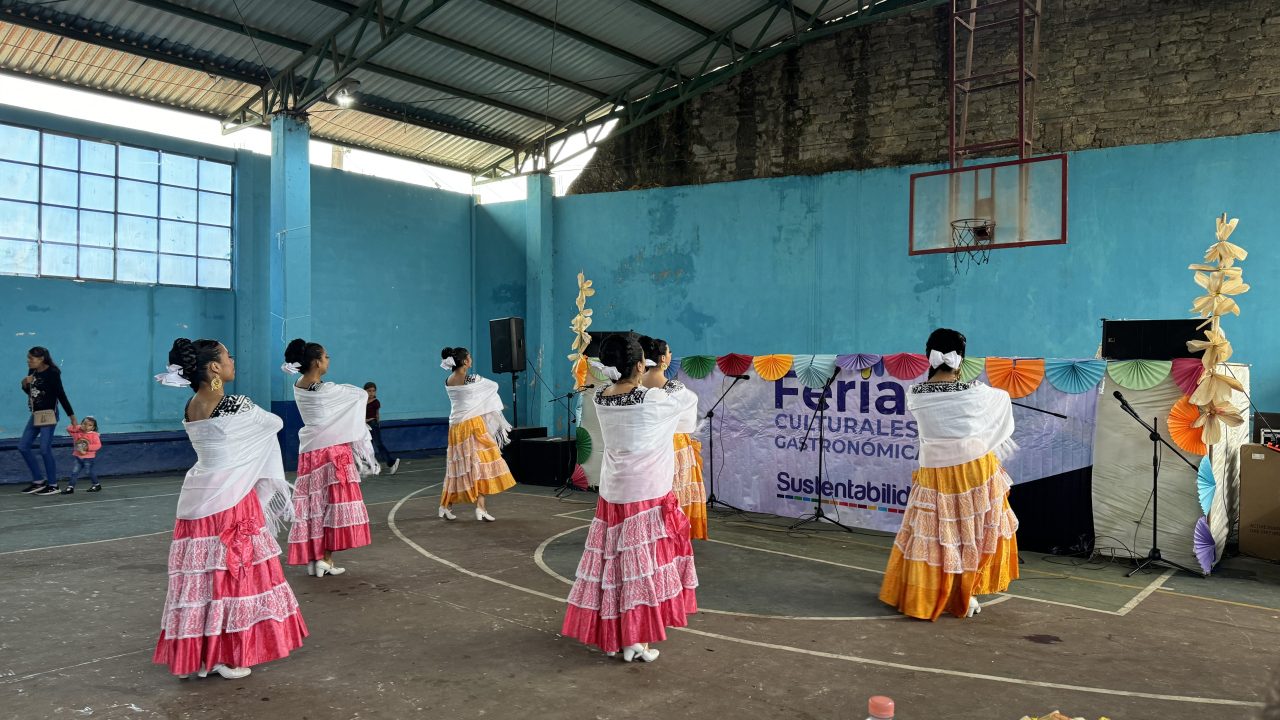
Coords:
pixel 448 364
pixel 172 377
pixel 650 363
pixel 605 370
pixel 292 368
pixel 951 359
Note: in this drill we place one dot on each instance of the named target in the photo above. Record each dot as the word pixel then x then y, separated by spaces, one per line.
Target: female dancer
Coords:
pixel 228 605
pixel 334 451
pixel 957 538
pixel 43 388
pixel 636 577
pixel 688 486
pixel 477 431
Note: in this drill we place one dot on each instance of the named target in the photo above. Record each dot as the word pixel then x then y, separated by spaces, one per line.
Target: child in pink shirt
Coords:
pixel 87 443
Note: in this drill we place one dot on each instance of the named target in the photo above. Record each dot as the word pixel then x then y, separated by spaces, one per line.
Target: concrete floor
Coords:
pixel 460 620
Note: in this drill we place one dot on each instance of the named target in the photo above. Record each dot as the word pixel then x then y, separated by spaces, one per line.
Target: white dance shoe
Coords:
pixel 483 516
pixel 447 514
pixel 639 652
pixel 323 568
pixel 229 673
pixel 974 607
pixel 311 568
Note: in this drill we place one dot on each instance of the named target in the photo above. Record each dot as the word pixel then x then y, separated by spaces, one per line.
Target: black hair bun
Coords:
pixel 446 353
pixel 295 351
pixel 183 354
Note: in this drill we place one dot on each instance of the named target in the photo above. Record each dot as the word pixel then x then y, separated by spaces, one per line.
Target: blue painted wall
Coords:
pixel 820 264
pixel 499 287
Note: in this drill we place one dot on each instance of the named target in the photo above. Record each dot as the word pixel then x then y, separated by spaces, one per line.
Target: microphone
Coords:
pixel 1118 396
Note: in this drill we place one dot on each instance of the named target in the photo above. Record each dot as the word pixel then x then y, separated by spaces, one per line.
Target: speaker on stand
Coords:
pixel 506 341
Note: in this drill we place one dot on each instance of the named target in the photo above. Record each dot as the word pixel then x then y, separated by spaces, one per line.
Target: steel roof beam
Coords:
pixel 569 32
pixel 687 23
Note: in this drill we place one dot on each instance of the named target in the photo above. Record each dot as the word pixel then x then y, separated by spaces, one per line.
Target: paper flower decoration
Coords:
pixel 772 367
pixel 1221 281
pixel 1206 486
pixel 1213 417
pixel 1139 374
pixel 1215 389
pixel 1215 346
pixel 1019 378
pixel 906 366
pixel 1186 374
pixel 584 445
pixel 1204 545
pixel 1074 376
pixel 857 361
pixel 1183 429
pixel 697 366
pixel 971 368
pixel 579 325
pixel 813 371
pixel 1219 290
pixel 733 363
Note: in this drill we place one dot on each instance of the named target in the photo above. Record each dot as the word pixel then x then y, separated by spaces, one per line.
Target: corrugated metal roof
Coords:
pixel 471 81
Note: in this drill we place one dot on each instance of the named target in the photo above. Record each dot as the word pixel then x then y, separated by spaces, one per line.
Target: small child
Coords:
pixel 374 420
pixel 87 443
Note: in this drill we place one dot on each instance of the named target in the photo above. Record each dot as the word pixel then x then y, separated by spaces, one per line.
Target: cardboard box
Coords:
pixel 1260 502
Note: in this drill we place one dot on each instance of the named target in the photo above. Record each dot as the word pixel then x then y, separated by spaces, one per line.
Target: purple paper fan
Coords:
pixel 1205 547
pixel 857 361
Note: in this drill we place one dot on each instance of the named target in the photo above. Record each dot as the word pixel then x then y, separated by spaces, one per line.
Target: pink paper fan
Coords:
pixel 857 361
pixel 1186 374
pixel 579 478
pixel 906 366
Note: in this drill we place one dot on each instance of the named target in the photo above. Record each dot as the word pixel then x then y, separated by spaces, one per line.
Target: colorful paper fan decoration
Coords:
pixel 1074 376
pixel 581 369
pixel 673 369
pixel 1139 374
pixel 971 368
pixel 1182 418
pixel 596 374
pixel 1186 374
pixel 1019 378
pixel 857 361
pixel 579 478
pixel 733 363
pixel 1204 545
pixel 584 445
pixel 773 367
pixel 1205 484
pixel 813 371
pixel 697 366
pixel 906 366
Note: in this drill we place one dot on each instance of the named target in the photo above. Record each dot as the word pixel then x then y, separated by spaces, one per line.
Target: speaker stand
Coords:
pixel 515 401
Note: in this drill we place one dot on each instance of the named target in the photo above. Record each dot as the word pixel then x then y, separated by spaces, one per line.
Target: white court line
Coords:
pixel 1152 587
pixel 77 503
pixel 88 542
pixel 10 681
pixel 391 522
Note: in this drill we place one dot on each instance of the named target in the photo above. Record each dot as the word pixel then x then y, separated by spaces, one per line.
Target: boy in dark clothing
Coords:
pixel 374 420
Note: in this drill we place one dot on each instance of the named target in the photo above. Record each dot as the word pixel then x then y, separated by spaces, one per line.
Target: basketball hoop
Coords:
pixel 972 239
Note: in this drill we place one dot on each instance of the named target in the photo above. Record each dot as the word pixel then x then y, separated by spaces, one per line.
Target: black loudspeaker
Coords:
pixel 511 453
pixel 546 460
pixel 1149 339
pixel 597 339
pixel 506 340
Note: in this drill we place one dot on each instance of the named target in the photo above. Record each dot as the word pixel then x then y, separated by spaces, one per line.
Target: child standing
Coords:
pixel 373 419
pixel 87 443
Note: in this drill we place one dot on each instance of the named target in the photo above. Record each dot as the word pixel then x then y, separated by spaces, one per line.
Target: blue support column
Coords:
pixel 290 241
pixel 539 325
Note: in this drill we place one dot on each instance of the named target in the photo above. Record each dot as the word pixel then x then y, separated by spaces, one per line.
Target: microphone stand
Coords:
pixel 1154 557
pixel 818 515
pixel 712 500
pixel 1042 410
pixel 567 486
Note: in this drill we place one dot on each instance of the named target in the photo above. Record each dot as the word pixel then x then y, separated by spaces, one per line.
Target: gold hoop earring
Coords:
pixel 216 383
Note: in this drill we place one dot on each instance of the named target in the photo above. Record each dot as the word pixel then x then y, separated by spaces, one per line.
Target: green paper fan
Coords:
pixel 698 366
pixel 1139 374
pixel 597 375
pixel 971 368
pixel 584 445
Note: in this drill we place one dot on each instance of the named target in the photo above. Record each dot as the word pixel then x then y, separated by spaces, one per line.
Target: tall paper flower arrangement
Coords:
pixel 1221 281
pixel 582 338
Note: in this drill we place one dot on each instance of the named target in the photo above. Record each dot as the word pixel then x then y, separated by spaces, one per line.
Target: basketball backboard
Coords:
pixel 1016 203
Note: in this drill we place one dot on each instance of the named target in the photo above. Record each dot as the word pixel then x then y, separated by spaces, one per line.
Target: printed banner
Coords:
pixel 765 437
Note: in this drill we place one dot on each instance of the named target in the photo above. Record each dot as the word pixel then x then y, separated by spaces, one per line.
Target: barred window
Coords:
pixel 78 208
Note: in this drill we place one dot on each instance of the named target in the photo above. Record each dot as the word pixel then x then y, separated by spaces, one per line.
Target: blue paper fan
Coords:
pixel 857 361
pixel 1205 484
pixel 814 370
pixel 1075 376
pixel 1203 544
pixel 673 369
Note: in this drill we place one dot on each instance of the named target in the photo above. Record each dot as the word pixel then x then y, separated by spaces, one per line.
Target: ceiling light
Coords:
pixel 344 93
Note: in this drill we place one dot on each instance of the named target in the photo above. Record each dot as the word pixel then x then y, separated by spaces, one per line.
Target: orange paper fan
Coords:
pixel 905 366
pixel 580 371
pixel 733 363
pixel 1019 378
pixel 1182 418
pixel 773 367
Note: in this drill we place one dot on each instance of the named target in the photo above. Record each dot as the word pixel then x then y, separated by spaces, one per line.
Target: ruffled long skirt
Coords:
pixel 328 505
pixel 474 464
pixel 688 485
